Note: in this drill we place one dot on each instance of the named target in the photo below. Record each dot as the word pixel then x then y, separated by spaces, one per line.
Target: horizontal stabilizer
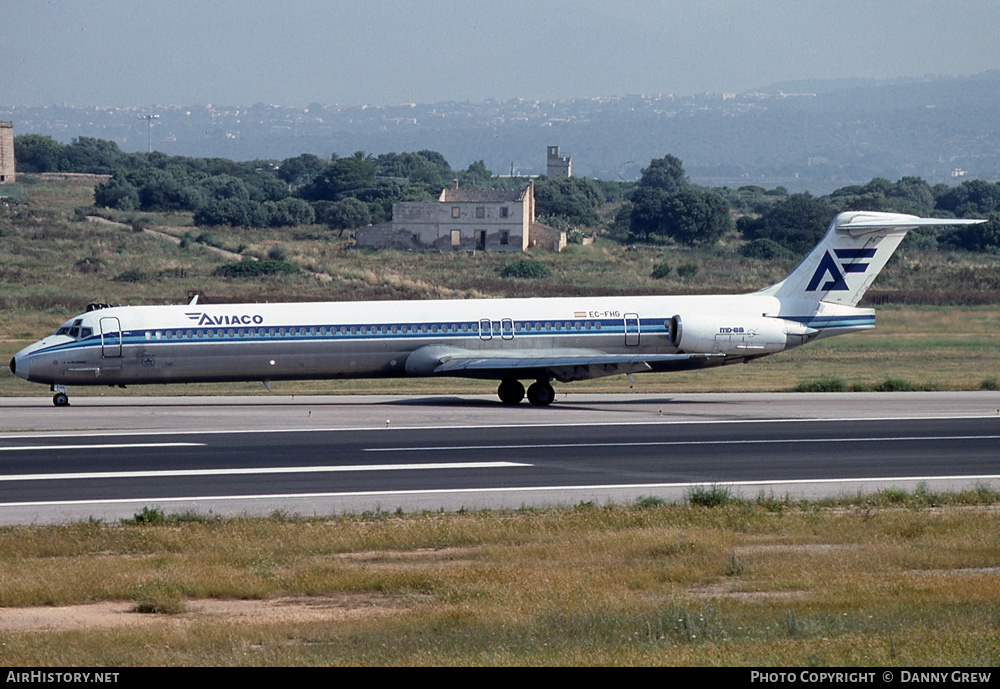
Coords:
pixel 857 245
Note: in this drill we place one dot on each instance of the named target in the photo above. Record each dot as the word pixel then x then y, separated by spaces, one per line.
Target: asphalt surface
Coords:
pixel 110 457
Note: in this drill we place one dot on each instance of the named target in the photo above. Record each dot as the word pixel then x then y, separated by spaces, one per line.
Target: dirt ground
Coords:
pixel 110 614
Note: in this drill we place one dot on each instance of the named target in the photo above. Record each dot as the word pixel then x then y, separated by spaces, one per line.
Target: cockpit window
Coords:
pixel 73 329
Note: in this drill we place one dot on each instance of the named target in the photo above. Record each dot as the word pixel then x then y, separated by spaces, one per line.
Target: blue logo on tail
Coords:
pixel 846 262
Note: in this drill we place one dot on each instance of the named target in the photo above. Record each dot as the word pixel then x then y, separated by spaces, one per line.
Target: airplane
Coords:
pixel 508 340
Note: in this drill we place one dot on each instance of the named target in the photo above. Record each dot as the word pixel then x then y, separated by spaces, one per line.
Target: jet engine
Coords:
pixel 736 335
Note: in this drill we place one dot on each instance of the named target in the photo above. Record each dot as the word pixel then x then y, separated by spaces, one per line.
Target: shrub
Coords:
pixel 89 265
pixel 687 270
pixel 896 385
pixel 131 276
pixel 646 501
pixel 712 496
pixel 525 268
pixel 207 238
pixel 662 270
pixel 248 269
pixel 149 515
pixel 765 249
pixel 827 384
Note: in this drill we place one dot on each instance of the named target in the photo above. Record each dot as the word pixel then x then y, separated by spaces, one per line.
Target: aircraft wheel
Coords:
pixel 541 394
pixel 60 399
pixel 511 392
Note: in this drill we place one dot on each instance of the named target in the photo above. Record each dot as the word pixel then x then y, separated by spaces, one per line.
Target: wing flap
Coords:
pixel 564 367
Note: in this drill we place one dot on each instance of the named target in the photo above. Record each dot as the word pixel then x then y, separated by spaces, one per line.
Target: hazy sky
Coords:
pixel 352 52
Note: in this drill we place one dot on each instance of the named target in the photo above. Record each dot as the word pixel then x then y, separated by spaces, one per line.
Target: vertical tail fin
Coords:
pixel 852 253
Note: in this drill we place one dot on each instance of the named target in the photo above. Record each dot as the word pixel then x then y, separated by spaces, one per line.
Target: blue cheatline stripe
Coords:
pixel 820 322
pixel 369 332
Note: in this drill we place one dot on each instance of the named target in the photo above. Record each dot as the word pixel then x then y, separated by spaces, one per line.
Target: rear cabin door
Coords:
pixel 631 329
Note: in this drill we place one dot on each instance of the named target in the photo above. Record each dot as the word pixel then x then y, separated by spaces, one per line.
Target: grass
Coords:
pixel 893 578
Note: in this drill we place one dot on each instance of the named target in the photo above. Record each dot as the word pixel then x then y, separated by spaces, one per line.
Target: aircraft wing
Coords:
pixel 564 366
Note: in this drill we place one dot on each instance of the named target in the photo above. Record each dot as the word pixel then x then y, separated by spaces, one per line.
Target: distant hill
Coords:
pixel 804 135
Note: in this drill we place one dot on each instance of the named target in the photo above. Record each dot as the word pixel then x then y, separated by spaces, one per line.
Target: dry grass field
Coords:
pixel 891 579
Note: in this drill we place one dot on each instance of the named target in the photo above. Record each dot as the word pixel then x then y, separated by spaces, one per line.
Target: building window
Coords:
pixel 456 237
pixel 455 212
pixel 504 237
pixel 504 211
pixel 480 212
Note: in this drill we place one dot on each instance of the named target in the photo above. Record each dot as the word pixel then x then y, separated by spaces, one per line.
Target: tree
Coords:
pixel 347 214
pixel 574 199
pixel 423 167
pixel 476 175
pixel 340 178
pixel 970 199
pixel 224 187
pixel 116 193
pixel 984 237
pixel 231 211
pixel 798 223
pixel 37 153
pixel 696 216
pixel 300 170
pixel 646 216
pixel 97 156
pixel 666 173
pixel 289 212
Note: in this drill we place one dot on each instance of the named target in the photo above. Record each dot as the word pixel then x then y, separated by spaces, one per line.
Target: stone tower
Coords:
pixel 558 165
pixel 6 152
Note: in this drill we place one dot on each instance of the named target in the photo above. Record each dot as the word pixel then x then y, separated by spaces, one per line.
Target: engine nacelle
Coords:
pixel 735 335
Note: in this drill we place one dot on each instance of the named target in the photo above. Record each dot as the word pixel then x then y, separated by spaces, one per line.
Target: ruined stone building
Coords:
pixel 6 153
pixel 466 220
pixel 558 165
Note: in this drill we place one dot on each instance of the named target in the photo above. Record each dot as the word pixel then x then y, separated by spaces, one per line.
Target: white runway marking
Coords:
pixel 473 491
pixel 674 443
pixel 261 470
pixel 652 421
pixel 108 446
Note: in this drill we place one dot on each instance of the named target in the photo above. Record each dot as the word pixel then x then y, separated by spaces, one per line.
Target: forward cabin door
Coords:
pixel 111 338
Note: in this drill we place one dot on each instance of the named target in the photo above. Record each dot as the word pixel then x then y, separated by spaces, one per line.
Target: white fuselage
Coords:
pixel 261 342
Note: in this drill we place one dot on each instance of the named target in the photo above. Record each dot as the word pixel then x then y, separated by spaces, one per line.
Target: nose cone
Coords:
pixel 19 367
pixel 20 363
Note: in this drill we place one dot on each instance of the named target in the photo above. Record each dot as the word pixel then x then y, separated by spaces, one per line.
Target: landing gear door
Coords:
pixel 111 338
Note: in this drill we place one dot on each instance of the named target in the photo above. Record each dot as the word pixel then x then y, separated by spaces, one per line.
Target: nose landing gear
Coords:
pixel 60 399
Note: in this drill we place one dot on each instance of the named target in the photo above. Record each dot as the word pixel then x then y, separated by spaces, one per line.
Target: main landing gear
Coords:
pixel 540 393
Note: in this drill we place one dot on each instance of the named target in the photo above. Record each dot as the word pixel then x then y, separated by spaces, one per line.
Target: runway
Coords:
pixel 108 458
